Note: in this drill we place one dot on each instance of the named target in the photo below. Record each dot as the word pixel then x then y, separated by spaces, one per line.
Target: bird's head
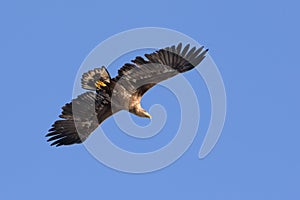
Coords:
pixel 141 112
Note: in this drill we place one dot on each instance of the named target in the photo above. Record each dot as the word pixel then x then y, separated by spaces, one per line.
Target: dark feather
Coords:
pixel 80 118
pixel 161 65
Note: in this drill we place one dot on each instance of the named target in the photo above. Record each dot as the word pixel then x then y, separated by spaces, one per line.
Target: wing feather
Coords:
pixel 80 118
pixel 160 65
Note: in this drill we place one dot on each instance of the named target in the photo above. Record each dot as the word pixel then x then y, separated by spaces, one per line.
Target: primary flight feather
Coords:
pixel 107 95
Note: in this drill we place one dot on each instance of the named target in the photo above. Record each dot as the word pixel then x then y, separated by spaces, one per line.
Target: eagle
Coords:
pixel 106 95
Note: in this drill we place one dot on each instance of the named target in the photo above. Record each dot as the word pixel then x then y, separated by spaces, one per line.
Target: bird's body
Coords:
pixel 124 92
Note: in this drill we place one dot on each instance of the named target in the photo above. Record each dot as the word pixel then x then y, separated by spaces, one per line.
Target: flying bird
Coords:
pixel 107 95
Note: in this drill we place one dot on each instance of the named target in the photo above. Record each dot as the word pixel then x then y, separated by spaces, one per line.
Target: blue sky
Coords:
pixel 255 45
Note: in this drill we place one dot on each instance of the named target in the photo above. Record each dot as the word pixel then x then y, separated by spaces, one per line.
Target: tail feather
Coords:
pixel 89 78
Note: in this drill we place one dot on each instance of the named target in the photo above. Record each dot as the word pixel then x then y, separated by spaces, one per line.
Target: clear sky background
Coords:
pixel 256 47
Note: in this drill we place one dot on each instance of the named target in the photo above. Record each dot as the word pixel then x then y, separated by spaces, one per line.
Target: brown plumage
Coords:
pixel 83 115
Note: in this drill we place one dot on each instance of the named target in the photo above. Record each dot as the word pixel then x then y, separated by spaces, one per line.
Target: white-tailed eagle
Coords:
pixel 107 95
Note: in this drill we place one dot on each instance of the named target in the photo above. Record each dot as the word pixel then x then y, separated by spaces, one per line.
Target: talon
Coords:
pixel 100 84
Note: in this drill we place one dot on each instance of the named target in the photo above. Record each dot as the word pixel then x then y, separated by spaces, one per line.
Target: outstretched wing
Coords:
pixel 159 65
pixel 80 118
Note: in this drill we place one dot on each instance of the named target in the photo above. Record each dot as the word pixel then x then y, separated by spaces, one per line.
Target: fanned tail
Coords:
pixel 90 79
